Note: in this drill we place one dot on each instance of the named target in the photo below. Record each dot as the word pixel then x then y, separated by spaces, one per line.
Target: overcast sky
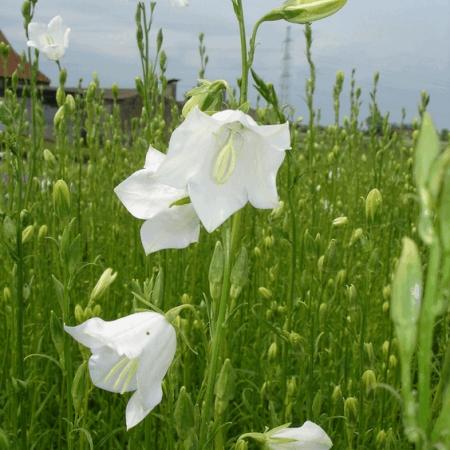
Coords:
pixel 407 41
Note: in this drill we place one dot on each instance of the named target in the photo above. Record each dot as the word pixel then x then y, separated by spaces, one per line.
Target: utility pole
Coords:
pixel 286 68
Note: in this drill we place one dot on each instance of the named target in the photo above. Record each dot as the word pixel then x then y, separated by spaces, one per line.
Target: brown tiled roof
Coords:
pixel 14 61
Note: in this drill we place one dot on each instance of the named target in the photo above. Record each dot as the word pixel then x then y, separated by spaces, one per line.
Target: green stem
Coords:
pixel 426 325
pixel 20 326
pixel 216 342
pixel 231 240
pixel 244 61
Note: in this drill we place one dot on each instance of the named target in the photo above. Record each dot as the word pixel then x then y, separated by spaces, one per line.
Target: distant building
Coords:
pixel 13 63
pixel 128 99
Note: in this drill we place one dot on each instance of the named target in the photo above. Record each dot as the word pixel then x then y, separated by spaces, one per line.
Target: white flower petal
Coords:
pixel 53 52
pixel 187 148
pixel 215 202
pixel 307 437
pixel 153 159
pixel 55 26
pixel 234 115
pixel 175 227
pixel 263 163
pixel 135 411
pixel 127 335
pixel 66 38
pixel 154 364
pixel 144 196
pixel 278 136
pixel 87 333
pixel 35 32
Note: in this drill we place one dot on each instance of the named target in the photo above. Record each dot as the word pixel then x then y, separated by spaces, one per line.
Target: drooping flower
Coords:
pixel 166 225
pixel 225 160
pixel 305 11
pixel 51 39
pixel 307 437
pixel 130 354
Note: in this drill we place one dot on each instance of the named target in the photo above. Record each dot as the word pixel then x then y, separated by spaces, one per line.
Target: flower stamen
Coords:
pixel 225 162
pixel 126 369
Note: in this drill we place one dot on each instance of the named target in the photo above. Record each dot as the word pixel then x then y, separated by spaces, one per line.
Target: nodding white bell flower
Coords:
pixel 166 225
pixel 131 354
pixel 224 161
pixel 307 437
pixel 51 39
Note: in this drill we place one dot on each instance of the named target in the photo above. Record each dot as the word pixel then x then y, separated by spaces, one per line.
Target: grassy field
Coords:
pixel 308 335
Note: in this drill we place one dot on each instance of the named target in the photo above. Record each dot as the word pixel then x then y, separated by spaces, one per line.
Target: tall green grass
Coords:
pixel 310 335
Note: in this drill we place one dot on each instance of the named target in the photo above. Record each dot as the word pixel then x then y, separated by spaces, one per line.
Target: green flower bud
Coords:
pixel 26 11
pixel 278 211
pixel 295 339
pixel 320 263
pixel 368 347
pixel 305 11
pixel 43 231
pixel 104 282
pixel 351 293
pixel 186 299
pixel 374 201
pixel 239 274
pixel 292 387
pixel 49 157
pixel 340 221
pixel 351 409
pixel 272 353
pixel 393 362
pixel 79 313
pixel 385 347
pixel 184 415
pixel 88 313
pixel 369 380
pixel 27 234
pixel 159 40
pixel 407 296
pixel 70 103
pixel 356 236
pixel 336 396
pixel 268 241
pixel 59 117
pixel 60 96
pixel 224 388
pixel 62 77
pixel 265 293
pixel 387 292
pixel 115 91
pixel 317 403
pixel 61 196
pixel 208 96
pixel 216 271
pixel 380 440
pixel 7 294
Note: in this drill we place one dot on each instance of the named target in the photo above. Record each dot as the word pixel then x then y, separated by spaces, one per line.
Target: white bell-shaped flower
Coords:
pixel 224 161
pixel 51 39
pixel 166 225
pixel 131 354
pixel 307 437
